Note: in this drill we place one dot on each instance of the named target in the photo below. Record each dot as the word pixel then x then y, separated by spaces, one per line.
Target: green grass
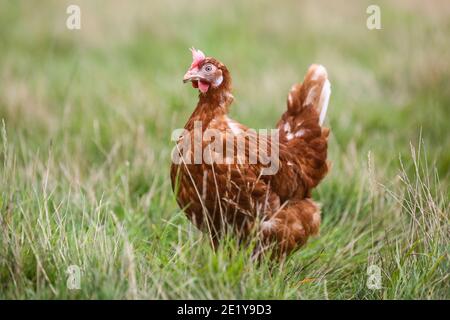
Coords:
pixel 85 147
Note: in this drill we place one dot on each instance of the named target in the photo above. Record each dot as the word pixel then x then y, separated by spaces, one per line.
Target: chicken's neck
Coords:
pixel 212 104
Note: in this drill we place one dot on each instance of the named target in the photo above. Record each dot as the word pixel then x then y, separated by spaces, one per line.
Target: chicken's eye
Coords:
pixel 208 68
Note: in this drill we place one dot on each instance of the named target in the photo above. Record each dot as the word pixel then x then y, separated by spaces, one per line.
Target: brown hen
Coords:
pixel 235 192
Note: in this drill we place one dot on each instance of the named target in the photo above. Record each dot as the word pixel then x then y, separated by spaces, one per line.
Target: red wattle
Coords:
pixel 203 86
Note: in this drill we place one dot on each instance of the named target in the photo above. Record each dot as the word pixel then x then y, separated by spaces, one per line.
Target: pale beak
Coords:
pixel 191 75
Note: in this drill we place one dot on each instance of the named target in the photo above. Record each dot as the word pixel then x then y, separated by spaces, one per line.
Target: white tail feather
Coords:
pixel 323 101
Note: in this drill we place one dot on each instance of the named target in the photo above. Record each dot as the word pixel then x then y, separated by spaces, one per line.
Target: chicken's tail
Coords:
pixel 300 127
pixel 306 101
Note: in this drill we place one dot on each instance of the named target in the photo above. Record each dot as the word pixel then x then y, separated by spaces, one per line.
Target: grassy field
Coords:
pixel 86 118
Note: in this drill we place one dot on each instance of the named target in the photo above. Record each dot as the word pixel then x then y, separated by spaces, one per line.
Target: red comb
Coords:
pixel 197 57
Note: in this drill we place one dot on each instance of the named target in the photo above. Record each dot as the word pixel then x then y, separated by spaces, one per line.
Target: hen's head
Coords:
pixel 206 73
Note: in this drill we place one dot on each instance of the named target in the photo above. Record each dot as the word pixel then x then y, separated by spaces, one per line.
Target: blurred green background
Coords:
pixel 87 118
